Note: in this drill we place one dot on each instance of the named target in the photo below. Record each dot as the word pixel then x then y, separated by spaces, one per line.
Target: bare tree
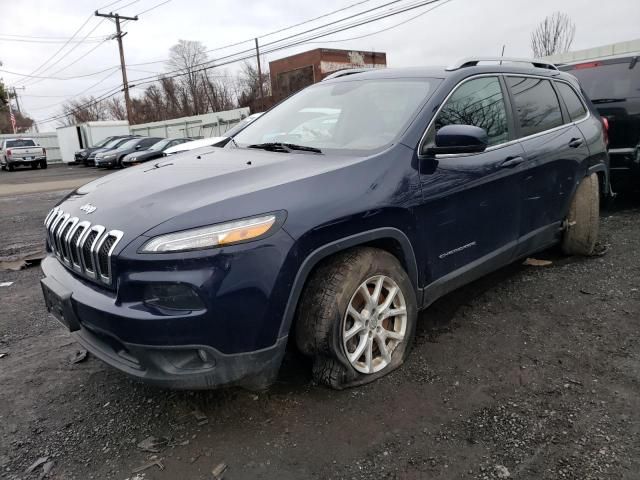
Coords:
pixel 84 109
pixel 116 108
pixel 553 35
pixel 248 85
pixel 186 57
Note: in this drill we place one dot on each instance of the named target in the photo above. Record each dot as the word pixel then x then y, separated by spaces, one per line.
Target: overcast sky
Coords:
pixel 457 29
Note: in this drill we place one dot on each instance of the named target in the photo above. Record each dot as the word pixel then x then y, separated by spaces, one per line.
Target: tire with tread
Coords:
pixel 583 220
pixel 43 164
pixel 323 304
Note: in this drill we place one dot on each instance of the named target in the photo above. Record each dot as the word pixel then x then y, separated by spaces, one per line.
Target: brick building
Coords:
pixel 290 74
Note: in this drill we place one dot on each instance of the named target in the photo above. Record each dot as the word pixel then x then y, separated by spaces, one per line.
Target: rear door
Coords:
pixel 555 152
pixel 470 214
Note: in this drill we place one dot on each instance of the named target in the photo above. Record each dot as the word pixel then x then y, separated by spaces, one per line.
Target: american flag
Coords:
pixel 13 119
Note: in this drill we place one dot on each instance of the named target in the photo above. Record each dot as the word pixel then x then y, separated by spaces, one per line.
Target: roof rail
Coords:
pixel 345 72
pixel 472 62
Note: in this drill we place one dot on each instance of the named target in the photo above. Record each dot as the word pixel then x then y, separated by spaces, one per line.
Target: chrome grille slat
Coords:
pixel 85 248
pixel 57 233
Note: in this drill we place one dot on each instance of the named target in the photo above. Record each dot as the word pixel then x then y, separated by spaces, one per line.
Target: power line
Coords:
pixel 415 17
pixel 250 40
pixel 236 57
pixel 62 47
pixel 60 78
pixel 23 40
pixel 30 82
pixel 152 8
pixel 75 34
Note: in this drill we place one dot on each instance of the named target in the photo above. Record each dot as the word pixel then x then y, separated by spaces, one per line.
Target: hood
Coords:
pixel 143 155
pixel 141 197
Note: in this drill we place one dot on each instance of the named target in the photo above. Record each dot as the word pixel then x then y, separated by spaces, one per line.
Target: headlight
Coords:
pixel 219 235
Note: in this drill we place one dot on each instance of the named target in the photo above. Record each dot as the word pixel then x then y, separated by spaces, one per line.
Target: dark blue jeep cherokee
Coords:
pixel 328 223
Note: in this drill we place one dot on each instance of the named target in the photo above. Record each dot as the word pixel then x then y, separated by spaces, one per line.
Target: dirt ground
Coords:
pixel 529 373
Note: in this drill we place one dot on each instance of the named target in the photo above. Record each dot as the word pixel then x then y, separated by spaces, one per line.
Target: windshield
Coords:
pixel 346 116
pixel 103 142
pixel 20 143
pixel 613 81
pixel 129 144
pixel 161 145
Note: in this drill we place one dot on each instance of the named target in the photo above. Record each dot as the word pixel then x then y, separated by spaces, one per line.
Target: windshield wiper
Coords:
pixel 284 147
pixel 607 100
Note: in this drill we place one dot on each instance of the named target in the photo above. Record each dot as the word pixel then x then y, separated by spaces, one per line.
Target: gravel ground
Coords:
pixel 529 373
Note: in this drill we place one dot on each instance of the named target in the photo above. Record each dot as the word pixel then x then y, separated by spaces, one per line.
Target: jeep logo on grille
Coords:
pixel 88 208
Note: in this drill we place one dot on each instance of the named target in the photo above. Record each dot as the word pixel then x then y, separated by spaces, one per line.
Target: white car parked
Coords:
pixel 213 141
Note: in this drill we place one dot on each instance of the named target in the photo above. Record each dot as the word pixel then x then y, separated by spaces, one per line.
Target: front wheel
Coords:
pixel 43 164
pixel 357 317
pixel 583 221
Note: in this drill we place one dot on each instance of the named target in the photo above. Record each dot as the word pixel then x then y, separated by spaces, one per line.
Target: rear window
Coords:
pixel 537 104
pixel 20 143
pixel 574 105
pixel 608 81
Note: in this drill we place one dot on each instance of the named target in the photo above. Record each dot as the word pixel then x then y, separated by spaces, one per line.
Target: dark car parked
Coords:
pixel 153 152
pixel 82 155
pixel 613 85
pixel 198 271
pixel 113 158
pixel 112 145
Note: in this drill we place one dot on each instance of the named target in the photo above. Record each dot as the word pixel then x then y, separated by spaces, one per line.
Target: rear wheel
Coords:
pixel 357 317
pixel 583 221
pixel 10 167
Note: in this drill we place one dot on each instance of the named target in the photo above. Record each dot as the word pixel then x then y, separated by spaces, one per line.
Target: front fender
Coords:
pixel 318 254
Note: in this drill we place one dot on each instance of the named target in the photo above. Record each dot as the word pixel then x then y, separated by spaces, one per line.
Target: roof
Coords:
pixel 442 72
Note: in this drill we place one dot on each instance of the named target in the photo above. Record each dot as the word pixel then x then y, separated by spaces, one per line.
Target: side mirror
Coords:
pixel 459 139
pixel 138 147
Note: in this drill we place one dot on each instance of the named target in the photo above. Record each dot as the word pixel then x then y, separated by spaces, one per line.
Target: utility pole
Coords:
pixel 119 35
pixel 260 75
pixel 15 95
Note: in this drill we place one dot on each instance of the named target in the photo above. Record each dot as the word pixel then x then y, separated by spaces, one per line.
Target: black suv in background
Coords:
pixel 613 85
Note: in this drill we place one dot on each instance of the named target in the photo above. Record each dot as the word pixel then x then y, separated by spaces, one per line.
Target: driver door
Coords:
pixel 470 213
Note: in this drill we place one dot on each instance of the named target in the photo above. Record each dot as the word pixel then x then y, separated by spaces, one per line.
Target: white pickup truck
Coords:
pixel 21 151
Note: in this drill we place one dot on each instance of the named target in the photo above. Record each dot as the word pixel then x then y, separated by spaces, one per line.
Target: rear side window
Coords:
pixel 477 102
pixel 536 104
pixel 574 105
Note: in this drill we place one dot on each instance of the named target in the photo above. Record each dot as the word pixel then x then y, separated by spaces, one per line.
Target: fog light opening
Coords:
pixel 172 296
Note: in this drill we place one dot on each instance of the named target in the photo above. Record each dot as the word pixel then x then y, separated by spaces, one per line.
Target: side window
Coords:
pixel 537 105
pixel 574 105
pixel 478 102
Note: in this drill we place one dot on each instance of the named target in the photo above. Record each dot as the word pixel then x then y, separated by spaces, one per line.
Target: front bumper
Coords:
pixel 171 351
pixel 104 162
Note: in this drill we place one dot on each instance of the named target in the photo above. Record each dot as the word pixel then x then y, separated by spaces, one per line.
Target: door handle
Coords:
pixel 575 142
pixel 511 162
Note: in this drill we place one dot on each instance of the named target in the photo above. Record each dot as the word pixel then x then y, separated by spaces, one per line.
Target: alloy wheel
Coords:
pixel 374 324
